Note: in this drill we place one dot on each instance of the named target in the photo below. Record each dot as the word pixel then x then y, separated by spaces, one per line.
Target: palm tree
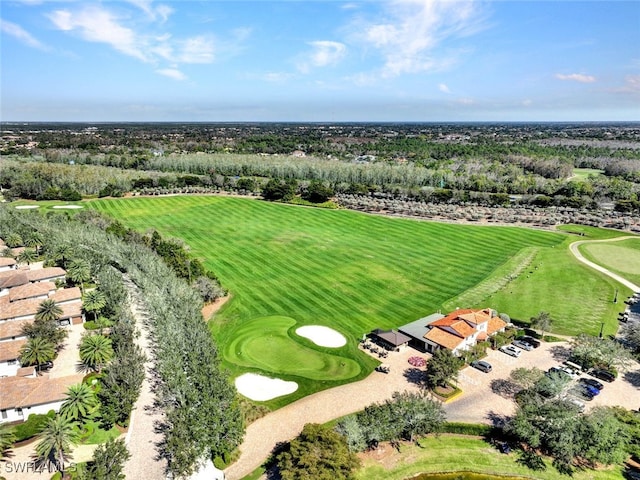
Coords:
pixel 61 254
pixel 56 440
pixel 34 240
pixel 95 351
pixel 7 439
pixel 36 352
pixel 94 301
pixel 79 271
pixel 81 402
pixel 27 256
pixel 13 240
pixel 48 311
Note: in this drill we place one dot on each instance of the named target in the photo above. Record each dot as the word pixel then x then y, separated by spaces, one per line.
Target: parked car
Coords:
pixel 511 350
pixel 481 365
pixel 593 391
pixel 603 375
pixel 534 342
pixel 577 403
pixel 582 393
pixel 560 371
pixel 523 345
pixel 593 382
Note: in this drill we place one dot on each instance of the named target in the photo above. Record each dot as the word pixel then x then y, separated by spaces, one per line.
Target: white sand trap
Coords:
pixel 27 207
pixel 322 336
pixel 68 206
pixel 261 388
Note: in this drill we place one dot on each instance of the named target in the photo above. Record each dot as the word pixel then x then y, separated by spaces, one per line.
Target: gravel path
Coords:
pixel 576 252
pixel 142 436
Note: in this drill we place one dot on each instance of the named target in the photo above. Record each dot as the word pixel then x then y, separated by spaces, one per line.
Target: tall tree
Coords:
pixel 36 352
pixel 34 240
pixel 94 301
pixel 592 351
pixel 442 368
pixel 48 310
pixel 96 351
pixel 79 272
pixel 56 440
pixel 108 461
pixel 81 402
pixel 542 322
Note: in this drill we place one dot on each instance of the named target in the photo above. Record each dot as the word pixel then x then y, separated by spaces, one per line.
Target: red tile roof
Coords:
pixel 19 308
pixel 12 328
pixel 7 261
pixel 443 338
pixel 71 310
pixel 495 325
pixel 30 290
pixel 66 294
pixel 13 278
pixel 11 350
pixel 20 392
pixel 44 273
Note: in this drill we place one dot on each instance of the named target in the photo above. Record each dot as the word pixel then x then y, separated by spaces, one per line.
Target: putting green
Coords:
pixel 275 350
pixel 621 257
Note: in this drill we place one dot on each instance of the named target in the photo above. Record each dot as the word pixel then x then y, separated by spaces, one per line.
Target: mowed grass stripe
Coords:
pixel 342 269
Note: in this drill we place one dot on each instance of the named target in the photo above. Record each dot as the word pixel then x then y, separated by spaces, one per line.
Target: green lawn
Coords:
pixel 355 272
pixel 584 173
pixel 621 257
pixel 450 453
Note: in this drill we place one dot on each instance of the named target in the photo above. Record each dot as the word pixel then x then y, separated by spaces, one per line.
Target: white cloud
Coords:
pixel 323 54
pixel 576 77
pixel 172 73
pixel 195 50
pixel 96 24
pixel 444 88
pixel 410 30
pixel 21 34
pixel 153 12
pixel 631 85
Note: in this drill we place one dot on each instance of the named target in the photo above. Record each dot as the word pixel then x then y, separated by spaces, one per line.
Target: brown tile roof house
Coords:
pixel 40 274
pixel 12 328
pixel 20 308
pixel 71 310
pixel 12 278
pixel 21 392
pixel 7 262
pixel 462 328
pixel 31 290
pixel 10 351
pixel 66 295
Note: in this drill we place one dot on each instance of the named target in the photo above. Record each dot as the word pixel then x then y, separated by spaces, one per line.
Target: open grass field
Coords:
pixel 584 173
pixel 451 453
pixel 354 272
pixel 621 257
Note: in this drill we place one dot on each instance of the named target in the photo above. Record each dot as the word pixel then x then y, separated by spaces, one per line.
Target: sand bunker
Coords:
pixel 68 206
pixel 27 207
pixel 261 388
pixel 322 336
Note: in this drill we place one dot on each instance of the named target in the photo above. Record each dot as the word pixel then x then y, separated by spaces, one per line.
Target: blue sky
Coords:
pixel 395 60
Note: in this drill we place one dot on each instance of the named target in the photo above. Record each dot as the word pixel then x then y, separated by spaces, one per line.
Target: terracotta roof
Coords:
pixel 12 278
pixel 19 308
pixel 66 294
pixel 71 310
pixel 7 261
pixel 495 324
pixel 482 336
pixel 443 338
pixel 477 317
pixel 25 371
pixel 20 392
pixel 44 273
pixel 11 351
pixel 12 328
pixel 17 250
pixel 30 290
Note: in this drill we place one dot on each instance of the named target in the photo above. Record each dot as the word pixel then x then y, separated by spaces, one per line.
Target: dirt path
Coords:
pixel 576 252
pixel 142 437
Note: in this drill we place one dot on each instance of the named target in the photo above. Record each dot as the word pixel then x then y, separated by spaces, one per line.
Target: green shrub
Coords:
pixel 467 428
pixel 219 463
pixel 34 424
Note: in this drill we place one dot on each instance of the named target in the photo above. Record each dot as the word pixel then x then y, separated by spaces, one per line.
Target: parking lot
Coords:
pixel 486 396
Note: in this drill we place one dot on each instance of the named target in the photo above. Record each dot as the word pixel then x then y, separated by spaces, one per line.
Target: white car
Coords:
pixel 511 350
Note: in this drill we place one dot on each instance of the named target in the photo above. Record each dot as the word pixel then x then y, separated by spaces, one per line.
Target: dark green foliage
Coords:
pixel 34 424
pixel 320 453
pixel 404 417
pixel 248 184
pixel 476 429
pixel 276 189
pixel 108 461
pixel 442 368
pixel 631 419
pixel 317 192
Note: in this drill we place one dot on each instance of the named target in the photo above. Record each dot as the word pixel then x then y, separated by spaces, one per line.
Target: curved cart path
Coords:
pixel 576 252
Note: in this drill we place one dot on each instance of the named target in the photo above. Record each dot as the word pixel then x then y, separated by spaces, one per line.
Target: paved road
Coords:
pixel 574 249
